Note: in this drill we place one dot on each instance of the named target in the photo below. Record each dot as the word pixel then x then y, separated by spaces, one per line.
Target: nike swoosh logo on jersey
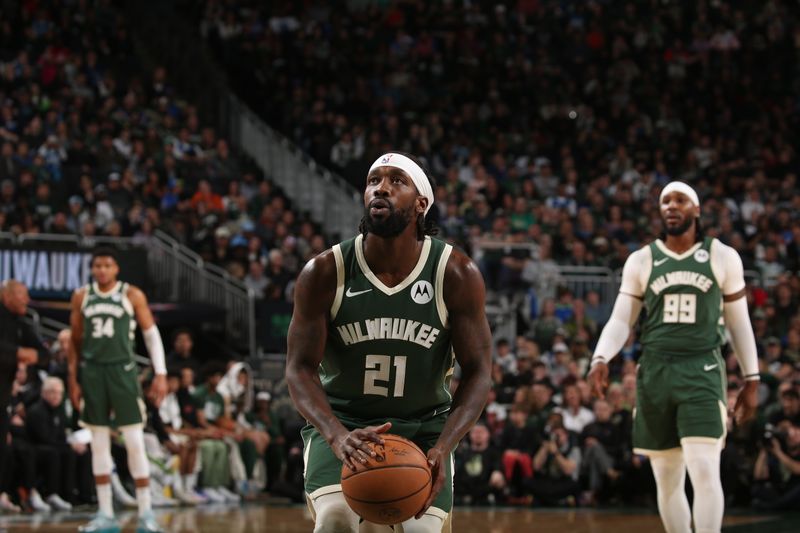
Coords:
pixel 130 366
pixel 709 367
pixel 350 292
pixel 660 261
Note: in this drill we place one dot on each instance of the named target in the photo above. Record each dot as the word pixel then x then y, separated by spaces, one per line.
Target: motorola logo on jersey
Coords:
pixel 701 256
pixel 422 292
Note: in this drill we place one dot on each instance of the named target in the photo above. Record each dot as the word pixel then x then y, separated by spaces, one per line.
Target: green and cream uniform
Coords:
pixel 681 382
pixel 108 373
pixel 388 357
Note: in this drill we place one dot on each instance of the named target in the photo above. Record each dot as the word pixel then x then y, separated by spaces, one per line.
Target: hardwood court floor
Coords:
pixel 256 518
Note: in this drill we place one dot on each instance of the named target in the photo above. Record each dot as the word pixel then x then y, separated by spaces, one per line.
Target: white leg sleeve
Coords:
pixel 670 473
pixel 101 451
pixel 702 461
pixel 427 524
pixel 137 457
pixel 333 515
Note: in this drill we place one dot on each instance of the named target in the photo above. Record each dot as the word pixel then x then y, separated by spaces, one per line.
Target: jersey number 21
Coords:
pixel 377 375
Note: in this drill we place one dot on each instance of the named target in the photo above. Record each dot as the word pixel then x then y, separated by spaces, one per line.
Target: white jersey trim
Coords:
pixel 322 491
pixel 362 263
pixel 337 300
pixel 108 293
pixel 673 255
pixel 126 302
pixel 439 288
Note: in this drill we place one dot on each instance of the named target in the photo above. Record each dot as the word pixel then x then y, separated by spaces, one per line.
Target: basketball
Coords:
pixel 392 486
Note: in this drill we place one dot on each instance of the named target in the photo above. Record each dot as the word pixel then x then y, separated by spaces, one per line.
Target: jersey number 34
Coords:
pixel 101 328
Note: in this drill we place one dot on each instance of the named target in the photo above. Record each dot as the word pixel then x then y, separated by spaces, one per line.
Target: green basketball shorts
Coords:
pixel 111 395
pixel 323 471
pixel 678 397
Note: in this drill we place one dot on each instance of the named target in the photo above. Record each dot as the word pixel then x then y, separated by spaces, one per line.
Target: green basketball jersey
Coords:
pixel 683 302
pixel 388 351
pixel 108 325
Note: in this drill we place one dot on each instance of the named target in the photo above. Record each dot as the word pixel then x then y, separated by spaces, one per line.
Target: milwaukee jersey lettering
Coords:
pixel 683 303
pixel 388 351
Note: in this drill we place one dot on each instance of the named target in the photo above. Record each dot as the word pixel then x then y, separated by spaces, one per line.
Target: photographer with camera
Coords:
pixel 776 474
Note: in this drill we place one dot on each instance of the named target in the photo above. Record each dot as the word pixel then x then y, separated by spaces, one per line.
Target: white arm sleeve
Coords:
pixel 743 341
pixel 729 271
pixel 152 339
pixel 615 333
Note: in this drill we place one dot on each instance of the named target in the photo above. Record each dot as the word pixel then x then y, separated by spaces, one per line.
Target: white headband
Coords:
pixel 679 186
pixel 413 170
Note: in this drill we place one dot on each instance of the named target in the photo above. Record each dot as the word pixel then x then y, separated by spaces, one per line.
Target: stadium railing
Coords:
pixel 326 197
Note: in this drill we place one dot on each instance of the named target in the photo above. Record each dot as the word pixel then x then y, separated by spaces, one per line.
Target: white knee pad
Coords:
pixel 137 457
pixel 670 473
pixel 702 461
pixel 333 515
pixel 101 451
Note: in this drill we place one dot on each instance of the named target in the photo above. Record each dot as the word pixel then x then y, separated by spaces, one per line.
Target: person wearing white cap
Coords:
pixel 376 321
pixel 690 286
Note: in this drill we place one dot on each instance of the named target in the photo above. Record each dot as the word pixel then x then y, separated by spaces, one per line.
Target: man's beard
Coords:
pixel 678 230
pixel 391 226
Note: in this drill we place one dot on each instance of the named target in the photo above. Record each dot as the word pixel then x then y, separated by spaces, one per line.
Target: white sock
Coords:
pixel 143 497
pixel 104 500
pixel 190 481
pixel 670 473
pixel 702 461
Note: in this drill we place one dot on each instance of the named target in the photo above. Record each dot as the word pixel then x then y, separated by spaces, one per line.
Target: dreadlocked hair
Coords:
pixel 424 227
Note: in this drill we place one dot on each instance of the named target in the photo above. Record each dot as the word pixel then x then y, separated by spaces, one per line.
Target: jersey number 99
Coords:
pixel 680 308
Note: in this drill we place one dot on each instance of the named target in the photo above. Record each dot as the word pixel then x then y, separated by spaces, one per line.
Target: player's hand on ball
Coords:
pixel 353 446
pixel 598 379
pixel 436 459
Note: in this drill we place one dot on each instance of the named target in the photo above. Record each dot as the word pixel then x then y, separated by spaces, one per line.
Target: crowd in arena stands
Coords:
pixel 91 143
pixel 550 128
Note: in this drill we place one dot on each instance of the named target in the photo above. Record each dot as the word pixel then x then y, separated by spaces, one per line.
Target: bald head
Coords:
pixel 15 296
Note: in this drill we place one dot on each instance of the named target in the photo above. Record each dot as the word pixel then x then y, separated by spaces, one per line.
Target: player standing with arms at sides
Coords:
pixel 378 320
pixel 688 284
pixel 103 320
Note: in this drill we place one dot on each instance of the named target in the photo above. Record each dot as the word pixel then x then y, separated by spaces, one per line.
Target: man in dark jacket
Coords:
pixel 18 344
pixel 61 461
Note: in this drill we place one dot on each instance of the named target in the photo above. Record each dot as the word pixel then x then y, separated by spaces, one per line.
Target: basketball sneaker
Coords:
pixel 148 524
pixel 101 523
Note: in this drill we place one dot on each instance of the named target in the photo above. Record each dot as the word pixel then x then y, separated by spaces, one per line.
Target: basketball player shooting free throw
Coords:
pixel 378 322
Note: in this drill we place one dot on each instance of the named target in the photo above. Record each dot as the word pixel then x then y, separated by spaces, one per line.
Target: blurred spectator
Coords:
pixel 777 469
pixel 478 475
pixel 556 466
pixel 66 466
pixel 181 355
